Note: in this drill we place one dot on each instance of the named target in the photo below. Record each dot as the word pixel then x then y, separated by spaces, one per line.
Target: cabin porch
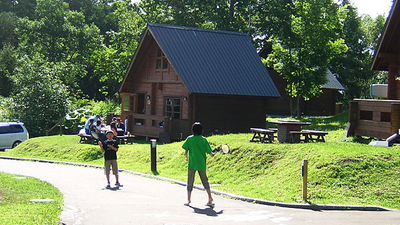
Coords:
pixel 163 128
pixel 374 118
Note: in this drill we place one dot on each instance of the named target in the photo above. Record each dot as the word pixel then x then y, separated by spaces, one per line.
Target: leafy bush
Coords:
pixel 40 99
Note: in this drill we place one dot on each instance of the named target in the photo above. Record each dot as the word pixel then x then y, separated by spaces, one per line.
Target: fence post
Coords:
pixel 304 172
pixel 153 144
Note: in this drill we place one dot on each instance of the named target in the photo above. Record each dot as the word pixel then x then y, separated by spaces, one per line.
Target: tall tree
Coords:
pixel 8 23
pixel 40 98
pixel 8 62
pixel 303 48
pixel 64 39
pixel 21 8
pixel 361 34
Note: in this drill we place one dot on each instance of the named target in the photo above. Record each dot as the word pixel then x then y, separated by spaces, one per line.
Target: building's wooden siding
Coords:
pixel 374 118
pixel 153 87
pixel 229 114
pixel 322 105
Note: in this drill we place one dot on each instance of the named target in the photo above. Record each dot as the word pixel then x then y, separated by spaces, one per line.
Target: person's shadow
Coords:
pixel 207 211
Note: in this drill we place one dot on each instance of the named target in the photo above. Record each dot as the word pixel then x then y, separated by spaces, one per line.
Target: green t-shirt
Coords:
pixel 198 147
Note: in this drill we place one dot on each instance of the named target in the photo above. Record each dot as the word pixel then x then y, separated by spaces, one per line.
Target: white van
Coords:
pixel 12 134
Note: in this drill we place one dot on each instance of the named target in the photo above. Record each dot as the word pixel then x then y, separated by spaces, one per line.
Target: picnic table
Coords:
pixel 289 131
pixel 262 135
pixel 88 139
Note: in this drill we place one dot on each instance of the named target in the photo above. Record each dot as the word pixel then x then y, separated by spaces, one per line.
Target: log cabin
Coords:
pixel 179 75
pixel 380 118
pixel 322 105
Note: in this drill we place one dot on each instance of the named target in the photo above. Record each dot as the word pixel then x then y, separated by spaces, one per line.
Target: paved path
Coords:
pixel 148 201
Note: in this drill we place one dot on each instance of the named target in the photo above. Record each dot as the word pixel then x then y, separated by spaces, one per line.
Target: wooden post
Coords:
pixel 392 88
pixel 304 171
pixel 353 118
pixel 395 118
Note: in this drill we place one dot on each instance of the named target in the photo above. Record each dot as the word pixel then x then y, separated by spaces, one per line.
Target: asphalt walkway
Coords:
pixel 150 201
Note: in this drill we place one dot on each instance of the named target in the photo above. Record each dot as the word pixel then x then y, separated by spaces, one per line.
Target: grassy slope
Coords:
pixel 15 205
pixel 340 172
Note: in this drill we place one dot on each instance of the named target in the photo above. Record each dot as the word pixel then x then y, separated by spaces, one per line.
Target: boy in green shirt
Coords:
pixel 197 146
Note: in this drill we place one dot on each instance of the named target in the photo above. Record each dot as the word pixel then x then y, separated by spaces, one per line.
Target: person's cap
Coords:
pixel 109 132
pixel 114 119
pixel 98 115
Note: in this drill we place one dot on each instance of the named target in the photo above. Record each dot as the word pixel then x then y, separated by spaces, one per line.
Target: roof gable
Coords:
pixel 214 62
pixel 332 82
pixel 389 45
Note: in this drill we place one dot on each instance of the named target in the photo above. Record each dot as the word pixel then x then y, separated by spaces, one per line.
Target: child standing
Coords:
pixel 197 146
pixel 110 149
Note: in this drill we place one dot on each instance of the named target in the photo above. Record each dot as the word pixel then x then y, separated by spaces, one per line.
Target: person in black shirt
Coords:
pixel 120 127
pixel 110 149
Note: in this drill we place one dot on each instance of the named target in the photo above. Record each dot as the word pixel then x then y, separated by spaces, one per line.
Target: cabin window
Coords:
pixel 365 115
pixel 173 108
pixel 162 61
pixel 126 101
pixel 385 116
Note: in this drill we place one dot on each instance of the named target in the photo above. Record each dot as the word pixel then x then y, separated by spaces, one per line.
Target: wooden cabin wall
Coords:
pixel 279 106
pixel 323 105
pixel 229 114
pixel 374 118
pixel 153 86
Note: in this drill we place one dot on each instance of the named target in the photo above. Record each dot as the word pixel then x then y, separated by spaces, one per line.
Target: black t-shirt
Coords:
pixel 109 153
pixel 120 129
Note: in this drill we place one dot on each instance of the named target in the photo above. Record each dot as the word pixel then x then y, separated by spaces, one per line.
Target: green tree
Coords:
pixel 303 48
pixel 40 98
pixel 361 34
pixel 21 8
pixel 111 61
pixel 63 38
pixel 98 12
pixel 8 23
pixel 8 62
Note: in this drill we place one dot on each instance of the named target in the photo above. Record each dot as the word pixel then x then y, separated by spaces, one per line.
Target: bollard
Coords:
pixel 304 172
pixel 153 145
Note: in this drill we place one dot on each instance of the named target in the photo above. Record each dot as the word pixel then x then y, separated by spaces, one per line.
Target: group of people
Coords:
pixel 96 124
pixel 196 148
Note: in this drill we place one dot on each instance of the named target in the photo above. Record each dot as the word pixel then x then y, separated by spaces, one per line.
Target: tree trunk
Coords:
pixel 298 108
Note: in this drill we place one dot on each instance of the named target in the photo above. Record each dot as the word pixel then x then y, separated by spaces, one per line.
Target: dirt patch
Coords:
pixel 1 197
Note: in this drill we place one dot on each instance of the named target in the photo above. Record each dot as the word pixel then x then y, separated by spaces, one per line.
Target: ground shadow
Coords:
pixel 207 211
pixel 111 189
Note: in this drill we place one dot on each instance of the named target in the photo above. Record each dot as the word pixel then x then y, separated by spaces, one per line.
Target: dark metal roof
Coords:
pixel 214 62
pixel 333 82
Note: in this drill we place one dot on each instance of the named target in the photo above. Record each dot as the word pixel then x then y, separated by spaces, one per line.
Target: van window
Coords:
pixel 17 129
pixel 5 130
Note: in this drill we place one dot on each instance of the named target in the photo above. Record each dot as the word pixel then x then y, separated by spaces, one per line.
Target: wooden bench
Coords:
pixel 316 135
pixel 88 139
pixel 85 138
pixel 260 135
pixel 125 139
pixel 295 136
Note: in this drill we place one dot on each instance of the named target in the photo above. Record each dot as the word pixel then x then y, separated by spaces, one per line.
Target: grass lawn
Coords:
pixel 340 171
pixel 16 207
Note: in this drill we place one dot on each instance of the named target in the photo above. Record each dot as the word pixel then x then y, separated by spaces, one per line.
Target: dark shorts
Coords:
pixel 203 177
